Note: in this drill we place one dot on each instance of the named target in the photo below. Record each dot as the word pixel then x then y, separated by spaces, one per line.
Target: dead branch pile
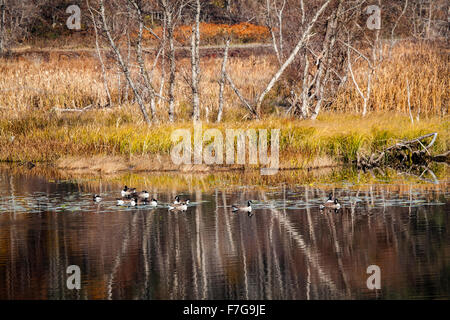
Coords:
pixel 404 154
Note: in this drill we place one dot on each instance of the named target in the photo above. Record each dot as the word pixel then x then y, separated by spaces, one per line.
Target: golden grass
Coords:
pixel 332 139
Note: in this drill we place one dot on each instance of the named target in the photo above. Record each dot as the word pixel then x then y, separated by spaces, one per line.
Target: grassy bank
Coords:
pixel 112 141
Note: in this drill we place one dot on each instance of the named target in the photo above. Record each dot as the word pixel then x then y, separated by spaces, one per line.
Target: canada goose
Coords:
pixel 330 198
pixel 179 206
pixel 329 201
pixel 152 203
pixel 141 195
pixel 333 204
pixel 248 208
pixel 96 198
pixel 134 202
pixel 177 200
pixel 126 192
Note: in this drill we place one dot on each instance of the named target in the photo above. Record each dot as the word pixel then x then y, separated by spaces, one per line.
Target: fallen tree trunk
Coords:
pixel 404 154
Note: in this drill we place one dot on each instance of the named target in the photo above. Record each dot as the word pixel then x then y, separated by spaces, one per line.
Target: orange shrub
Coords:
pixel 213 33
pixel 247 32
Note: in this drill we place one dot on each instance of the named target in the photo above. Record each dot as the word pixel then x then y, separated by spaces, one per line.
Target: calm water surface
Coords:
pixel 288 249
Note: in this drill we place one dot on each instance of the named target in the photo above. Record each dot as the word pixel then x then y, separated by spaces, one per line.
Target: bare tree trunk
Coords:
pixel 222 80
pixel 302 7
pixel 305 91
pixel 372 64
pixel 244 102
pixel 369 89
pixel 228 6
pixel 392 43
pixel 122 64
pixel 325 62
pixel 366 96
pixel 272 33
pixel 140 59
pixel 409 101
pixel 163 60
pixel 99 54
pixel 195 63
pixel 372 67
pixel 430 15
pixel 306 34
pixel 172 64
pixel 119 89
pixel 127 63
pixel 280 28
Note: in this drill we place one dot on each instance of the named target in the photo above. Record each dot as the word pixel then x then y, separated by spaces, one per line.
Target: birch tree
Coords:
pixel 172 10
pixel 324 63
pixel 276 9
pixel 99 54
pixel 305 35
pixel 127 48
pixel 223 80
pixel 140 59
pixel 121 62
pixel 373 59
pixel 195 62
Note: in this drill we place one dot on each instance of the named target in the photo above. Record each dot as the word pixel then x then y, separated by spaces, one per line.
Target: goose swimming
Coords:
pixel 182 206
pixel 247 208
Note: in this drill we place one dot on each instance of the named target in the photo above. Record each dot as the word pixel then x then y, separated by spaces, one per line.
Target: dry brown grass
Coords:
pixel 426 68
pixel 36 84
pixel 31 84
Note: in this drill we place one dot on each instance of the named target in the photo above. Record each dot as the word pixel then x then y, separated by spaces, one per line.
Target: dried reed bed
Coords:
pixel 32 83
pixel 32 129
pixel 424 65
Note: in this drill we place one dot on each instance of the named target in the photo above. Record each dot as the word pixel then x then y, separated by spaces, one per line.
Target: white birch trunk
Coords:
pixel 300 44
pixel 222 80
pixel 195 63
pixel 122 63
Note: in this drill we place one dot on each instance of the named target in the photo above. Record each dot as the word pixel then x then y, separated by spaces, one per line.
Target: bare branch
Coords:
pixel 122 64
pixel 300 44
pixel 246 104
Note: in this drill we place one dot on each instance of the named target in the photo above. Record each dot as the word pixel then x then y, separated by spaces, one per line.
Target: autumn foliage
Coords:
pixel 213 33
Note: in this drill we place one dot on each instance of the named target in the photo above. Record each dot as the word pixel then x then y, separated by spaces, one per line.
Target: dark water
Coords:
pixel 288 249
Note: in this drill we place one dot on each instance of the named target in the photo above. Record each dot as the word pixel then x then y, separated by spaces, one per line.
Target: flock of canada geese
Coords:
pixel 130 197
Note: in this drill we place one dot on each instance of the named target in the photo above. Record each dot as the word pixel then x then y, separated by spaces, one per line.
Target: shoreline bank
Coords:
pixel 325 177
pixel 95 141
